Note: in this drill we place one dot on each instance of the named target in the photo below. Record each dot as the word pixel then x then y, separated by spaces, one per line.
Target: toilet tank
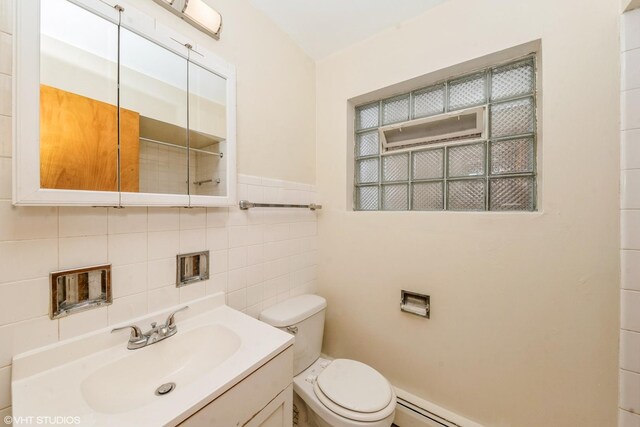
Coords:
pixel 303 317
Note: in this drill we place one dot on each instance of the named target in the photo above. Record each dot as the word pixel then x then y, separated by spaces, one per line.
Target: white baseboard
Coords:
pixel 408 418
pixel 413 411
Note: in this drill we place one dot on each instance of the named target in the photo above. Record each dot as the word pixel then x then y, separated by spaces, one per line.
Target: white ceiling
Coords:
pixel 323 27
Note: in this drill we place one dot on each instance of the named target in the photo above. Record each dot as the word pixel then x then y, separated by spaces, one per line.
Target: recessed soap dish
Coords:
pixel 192 268
pixel 78 290
pixel 415 303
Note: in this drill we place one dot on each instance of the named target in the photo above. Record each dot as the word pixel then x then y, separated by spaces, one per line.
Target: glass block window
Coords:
pixel 496 172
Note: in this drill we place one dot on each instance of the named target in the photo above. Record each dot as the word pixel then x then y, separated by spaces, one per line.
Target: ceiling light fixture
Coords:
pixel 197 13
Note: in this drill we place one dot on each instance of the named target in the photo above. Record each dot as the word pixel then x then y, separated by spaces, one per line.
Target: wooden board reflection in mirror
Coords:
pixel 79 143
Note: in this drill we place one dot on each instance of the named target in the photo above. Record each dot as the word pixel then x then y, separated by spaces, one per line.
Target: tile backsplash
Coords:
pixel 630 223
pixel 258 257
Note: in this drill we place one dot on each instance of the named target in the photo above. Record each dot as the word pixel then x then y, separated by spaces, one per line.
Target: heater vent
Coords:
pixel 460 125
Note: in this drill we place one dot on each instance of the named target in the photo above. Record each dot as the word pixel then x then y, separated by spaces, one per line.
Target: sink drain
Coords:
pixel 165 389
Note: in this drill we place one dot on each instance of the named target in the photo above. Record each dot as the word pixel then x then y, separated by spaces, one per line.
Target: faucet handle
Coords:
pixel 171 320
pixel 136 332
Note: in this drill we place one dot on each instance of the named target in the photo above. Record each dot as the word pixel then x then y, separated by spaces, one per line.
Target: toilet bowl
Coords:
pixel 351 402
pixel 335 393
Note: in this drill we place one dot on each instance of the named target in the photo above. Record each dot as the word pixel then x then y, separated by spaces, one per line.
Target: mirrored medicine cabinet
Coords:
pixel 115 109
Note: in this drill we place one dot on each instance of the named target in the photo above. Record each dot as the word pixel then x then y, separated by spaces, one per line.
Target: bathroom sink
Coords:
pixel 131 381
pixel 98 381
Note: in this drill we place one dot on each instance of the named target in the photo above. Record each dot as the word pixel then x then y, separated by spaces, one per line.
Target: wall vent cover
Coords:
pixel 459 125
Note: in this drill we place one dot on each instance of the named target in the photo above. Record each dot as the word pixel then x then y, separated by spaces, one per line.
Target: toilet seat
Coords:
pixel 355 391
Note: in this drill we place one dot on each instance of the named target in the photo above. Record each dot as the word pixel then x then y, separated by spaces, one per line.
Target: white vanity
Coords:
pixel 228 369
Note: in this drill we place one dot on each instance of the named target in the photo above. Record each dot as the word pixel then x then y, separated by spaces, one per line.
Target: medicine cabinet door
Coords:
pixel 78 91
pixel 207 132
pixel 110 109
pixel 153 122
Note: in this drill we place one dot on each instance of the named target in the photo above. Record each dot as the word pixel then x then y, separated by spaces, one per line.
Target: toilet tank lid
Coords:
pixel 293 310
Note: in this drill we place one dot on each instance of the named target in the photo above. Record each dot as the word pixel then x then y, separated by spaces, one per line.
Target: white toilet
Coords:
pixel 336 393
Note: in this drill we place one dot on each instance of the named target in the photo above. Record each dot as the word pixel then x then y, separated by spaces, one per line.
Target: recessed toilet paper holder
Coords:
pixel 415 303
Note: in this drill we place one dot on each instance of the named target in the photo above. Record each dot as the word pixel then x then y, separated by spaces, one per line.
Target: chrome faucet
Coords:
pixel 157 333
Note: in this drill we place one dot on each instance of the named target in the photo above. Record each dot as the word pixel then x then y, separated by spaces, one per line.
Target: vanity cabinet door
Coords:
pixel 264 398
pixel 278 413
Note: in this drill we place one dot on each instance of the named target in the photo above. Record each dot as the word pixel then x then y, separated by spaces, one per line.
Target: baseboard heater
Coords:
pixel 413 411
pixel 420 416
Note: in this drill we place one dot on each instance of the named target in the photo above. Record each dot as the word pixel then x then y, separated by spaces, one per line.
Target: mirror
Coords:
pixel 207 132
pixel 153 86
pixel 78 99
pixel 114 111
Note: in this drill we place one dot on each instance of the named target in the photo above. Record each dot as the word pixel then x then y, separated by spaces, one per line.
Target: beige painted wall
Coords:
pixel 276 95
pixel 276 90
pixel 524 305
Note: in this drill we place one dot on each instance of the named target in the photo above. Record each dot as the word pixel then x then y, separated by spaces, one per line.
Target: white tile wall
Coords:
pixel 630 275
pixel 5 101
pixel 629 391
pixel 209 167
pixel 630 315
pixel 630 37
pixel 628 419
pixel 630 223
pixel 5 136
pixel 162 169
pixel 629 350
pixel 630 188
pixel 141 244
pixel 630 149
pixel 264 257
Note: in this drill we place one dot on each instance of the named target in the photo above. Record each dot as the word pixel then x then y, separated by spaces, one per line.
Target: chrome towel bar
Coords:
pixel 245 204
